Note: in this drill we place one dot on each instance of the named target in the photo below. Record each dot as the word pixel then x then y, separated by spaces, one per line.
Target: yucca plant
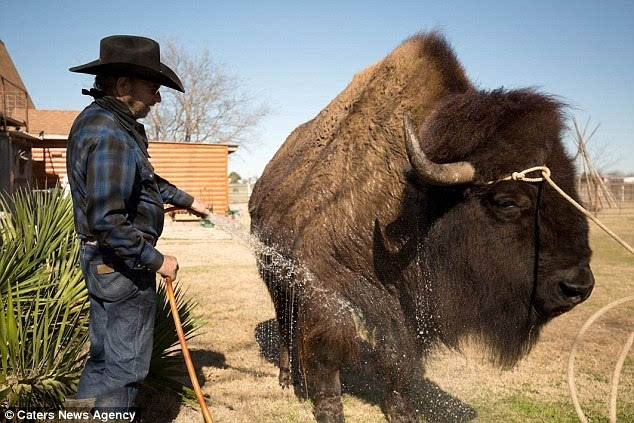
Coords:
pixel 44 306
pixel 43 310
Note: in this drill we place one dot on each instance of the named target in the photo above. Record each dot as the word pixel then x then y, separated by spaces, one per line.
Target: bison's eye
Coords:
pixel 507 206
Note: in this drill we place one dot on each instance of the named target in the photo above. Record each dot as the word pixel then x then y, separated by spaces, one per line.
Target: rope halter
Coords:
pixel 521 176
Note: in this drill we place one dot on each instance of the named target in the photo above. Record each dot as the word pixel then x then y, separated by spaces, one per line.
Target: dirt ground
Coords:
pixel 235 355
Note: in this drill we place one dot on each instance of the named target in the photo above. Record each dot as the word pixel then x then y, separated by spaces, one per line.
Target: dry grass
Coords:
pixel 239 375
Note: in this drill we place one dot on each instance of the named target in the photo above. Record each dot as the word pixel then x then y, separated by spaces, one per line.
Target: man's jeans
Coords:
pixel 122 311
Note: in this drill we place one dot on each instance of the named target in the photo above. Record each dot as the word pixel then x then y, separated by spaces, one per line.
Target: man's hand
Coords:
pixel 169 268
pixel 199 208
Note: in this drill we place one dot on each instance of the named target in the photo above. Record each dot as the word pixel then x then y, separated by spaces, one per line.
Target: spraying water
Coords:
pixel 273 266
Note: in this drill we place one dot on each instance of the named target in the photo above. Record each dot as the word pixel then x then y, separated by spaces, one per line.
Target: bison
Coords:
pixel 399 235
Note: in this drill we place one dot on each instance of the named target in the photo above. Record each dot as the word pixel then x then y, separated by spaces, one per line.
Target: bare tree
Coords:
pixel 215 107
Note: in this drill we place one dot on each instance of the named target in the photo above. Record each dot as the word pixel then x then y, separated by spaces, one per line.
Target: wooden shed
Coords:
pixel 200 169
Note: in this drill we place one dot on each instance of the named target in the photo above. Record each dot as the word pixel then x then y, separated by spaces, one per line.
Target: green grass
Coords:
pixel 520 408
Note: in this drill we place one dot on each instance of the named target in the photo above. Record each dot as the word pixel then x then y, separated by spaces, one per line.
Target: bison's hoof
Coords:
pixel 328 410
pixel 398 410
pixel 285 378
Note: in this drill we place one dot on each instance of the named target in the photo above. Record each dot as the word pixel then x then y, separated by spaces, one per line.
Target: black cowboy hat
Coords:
pixel 129 55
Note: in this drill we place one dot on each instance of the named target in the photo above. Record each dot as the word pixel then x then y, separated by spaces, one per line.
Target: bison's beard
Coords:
pixel 479 290
pixel 508 345
pixel 507 328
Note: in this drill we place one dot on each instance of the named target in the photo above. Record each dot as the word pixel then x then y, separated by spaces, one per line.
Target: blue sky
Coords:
pixel 297 57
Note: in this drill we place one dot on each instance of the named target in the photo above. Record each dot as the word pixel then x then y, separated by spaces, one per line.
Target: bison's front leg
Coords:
pixel 320 368
pixel 326 340
pixel 285 378
pixel 285 312
pixel 279 283
pixel 326 389
pixel 397 409
pixel 399 375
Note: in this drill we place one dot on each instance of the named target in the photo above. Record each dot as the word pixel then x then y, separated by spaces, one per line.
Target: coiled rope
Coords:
pixel 617 370
pixel 521 176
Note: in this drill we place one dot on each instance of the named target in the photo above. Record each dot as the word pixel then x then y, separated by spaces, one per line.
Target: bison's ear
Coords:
pixel 389 265
pixel 429 172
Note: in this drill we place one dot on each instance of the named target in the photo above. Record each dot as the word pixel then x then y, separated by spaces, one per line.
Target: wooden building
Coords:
pixel 15 101
pixel 200 169
pixel 51 128
pixel 15 144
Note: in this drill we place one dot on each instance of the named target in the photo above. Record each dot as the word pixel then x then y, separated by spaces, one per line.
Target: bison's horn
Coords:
pixel 433 173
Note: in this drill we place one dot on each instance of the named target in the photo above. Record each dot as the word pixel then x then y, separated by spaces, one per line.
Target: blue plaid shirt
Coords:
pixel 117 198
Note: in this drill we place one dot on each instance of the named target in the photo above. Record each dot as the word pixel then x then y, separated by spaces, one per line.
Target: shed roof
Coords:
pixel 9 72
pixel 52 123
pixel 232 148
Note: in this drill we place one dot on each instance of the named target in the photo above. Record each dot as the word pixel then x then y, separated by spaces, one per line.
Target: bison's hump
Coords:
pixel 343 169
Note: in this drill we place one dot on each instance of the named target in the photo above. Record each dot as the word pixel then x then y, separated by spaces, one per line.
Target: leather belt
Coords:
pixel 94 242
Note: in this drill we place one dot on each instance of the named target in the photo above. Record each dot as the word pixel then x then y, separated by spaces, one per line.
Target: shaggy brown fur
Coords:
pixel 392 266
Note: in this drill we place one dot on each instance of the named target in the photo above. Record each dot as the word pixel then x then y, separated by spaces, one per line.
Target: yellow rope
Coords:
pixel 617 370
pixel 618 239
pixel 617 374
pixel 521 176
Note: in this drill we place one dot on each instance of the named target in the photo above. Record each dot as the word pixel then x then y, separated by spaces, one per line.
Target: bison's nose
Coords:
pixel 579 286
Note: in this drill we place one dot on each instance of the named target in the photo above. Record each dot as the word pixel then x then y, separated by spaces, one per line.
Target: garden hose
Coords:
pixel 186 356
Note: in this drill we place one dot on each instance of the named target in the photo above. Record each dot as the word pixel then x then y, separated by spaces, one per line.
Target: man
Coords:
pixel 118 208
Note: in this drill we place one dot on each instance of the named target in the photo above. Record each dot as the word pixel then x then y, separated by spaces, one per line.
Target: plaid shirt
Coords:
pixel 117 198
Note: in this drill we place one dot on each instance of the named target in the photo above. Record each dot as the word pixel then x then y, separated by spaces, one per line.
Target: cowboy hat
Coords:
pixel 129 55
